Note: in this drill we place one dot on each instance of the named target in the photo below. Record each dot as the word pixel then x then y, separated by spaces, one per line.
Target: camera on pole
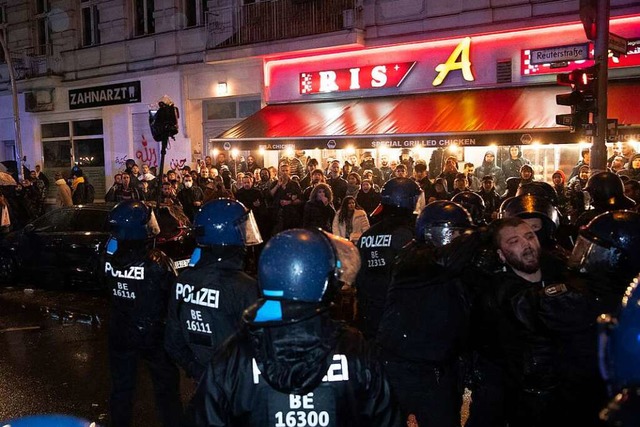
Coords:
pixel 163 121
pixel 582 99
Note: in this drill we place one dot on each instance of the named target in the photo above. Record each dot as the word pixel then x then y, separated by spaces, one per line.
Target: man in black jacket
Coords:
pixel 291 364
pixel 337 183
pixel 533 337
pixel 209 298
pixel 138 278
pixel 191 197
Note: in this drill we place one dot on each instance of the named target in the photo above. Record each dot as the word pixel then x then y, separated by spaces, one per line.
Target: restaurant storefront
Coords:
pixel 460 95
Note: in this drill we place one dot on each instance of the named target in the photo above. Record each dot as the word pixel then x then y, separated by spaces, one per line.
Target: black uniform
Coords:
pixel 535 352
pixel 378 248
pixel 314 372
pixel 423 332
pixel 206 307
pixel 139 280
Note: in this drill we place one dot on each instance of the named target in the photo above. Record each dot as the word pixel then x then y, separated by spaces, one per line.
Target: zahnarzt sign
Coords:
pixel 100 96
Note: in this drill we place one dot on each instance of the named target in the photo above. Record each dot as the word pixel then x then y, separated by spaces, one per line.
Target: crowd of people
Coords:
pixel 485 279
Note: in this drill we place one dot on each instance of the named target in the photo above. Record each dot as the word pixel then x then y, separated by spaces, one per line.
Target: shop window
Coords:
pixel 194 12
pixel 143 17
pixel 231 108
pixel 247 108
pixel 87 127
pixel 80 142
pixel 57 154
pixel 221 110
pixel 90 23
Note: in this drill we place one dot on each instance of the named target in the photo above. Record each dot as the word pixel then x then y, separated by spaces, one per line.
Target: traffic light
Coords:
pixel 582 98
pixel 588 9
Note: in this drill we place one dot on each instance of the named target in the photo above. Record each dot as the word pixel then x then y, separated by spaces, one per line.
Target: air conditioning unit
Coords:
pixel 38 101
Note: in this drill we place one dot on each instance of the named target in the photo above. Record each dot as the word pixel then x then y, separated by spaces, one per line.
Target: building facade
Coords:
pixel 87 73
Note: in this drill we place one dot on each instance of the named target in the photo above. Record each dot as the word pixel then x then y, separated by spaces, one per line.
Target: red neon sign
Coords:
pixel 631 59
pixel 355 78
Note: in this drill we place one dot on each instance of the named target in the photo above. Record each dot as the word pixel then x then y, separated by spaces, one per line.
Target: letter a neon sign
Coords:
pixel 461 52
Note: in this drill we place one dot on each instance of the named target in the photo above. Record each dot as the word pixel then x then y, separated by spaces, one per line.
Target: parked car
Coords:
pixel 66 247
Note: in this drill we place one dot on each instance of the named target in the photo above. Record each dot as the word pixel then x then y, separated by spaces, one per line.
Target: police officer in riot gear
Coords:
pixel 620 352
pixel 474 204
pixel 607 255
pixel 378 247
pixel 138 278
pixel 424 327
pixel 539 188
pixel 606 191
pixel 291 364
pixel 209 298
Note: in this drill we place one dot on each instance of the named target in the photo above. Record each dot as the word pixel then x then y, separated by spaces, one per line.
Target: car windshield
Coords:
pixel 91 220
pixel 59 220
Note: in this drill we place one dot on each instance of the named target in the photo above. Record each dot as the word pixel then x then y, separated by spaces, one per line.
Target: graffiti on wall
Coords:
pixel 121 161
pixel 177 164
pixel 146 154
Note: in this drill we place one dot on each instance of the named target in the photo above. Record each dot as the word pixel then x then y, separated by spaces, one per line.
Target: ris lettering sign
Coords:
pixel 100 96
pixel 356 78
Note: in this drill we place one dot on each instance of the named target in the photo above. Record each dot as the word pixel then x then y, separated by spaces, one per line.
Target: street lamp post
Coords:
pixel 16 111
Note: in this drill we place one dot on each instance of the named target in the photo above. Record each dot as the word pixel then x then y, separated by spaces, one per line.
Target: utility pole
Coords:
pixel 16 111
pixel 598 148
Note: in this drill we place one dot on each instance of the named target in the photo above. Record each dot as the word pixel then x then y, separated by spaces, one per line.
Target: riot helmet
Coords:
pixel 54 420
pixel 129 219
pixel 399 195
pixel 619 340
pixel 607 192
pixel 226 222
pixel 529 206
pixel 609 244
pixel 442 221
pixel 306 265
pixel 473 203
pixel 539 188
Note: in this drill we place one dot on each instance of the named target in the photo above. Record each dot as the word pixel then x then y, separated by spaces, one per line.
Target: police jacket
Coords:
pixel 308 372
pixel 138 280
pixel 427 312
pixel 206 306
pixel 378 247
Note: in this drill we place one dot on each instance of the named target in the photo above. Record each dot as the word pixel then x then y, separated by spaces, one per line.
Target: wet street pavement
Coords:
pixel 53 357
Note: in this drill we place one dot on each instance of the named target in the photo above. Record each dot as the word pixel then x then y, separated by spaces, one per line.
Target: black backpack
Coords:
pixel 89 193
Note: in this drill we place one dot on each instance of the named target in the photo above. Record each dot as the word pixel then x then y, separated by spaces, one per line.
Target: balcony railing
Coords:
pixel 279 20
pixel 33 62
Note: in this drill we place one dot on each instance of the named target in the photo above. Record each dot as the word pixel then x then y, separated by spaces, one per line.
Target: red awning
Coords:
pixel 472 117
